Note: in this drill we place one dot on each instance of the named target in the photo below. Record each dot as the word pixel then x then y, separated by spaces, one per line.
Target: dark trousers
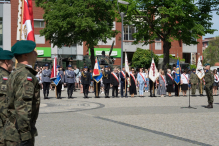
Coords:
pixel 176 89
pixel 115 89
pixel 59 89
pixel 152 93
pixel 70 88
pixel 46 86
pixel 85 89
pixel 122 87
pixel 96 88
pixel 107 87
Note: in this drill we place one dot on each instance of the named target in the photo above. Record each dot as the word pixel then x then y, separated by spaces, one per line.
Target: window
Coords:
pixel 129 30
pixel 1 32
pixel 39 24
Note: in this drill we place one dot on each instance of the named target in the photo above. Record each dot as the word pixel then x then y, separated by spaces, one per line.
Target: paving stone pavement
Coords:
pixel 157 121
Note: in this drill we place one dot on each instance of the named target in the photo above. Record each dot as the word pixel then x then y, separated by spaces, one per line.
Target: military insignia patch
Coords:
pixel 3 87
pixel 29 78
pixel 5 78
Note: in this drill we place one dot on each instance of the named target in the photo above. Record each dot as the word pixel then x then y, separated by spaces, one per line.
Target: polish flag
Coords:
pixel 96 71
pixel 27 30
pixel 54 69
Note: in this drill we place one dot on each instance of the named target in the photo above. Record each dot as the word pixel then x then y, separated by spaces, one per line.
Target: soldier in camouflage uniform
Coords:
pixel 5 69
pixel 23 97
pixel 194 81
pixel 209 80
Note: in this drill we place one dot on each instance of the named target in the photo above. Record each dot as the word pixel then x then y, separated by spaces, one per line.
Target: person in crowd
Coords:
pixel 38 74
pixel 59 86
pixel 173 73
pixel 123 77
pixel 46 74
pixel 184 82
pixel 70 81
pixel 152 86
pixel 193 81
pixel 106 81
pixel 114 82
pixel 215 84
pixel 40 81
pixel 91 89
pixel 77 71
pixel 6 65
pixel 23 98
pixel 157 83
pixel 209 80
pixel 162 84
pixel 85 81
pixel 80 83
pixel 170 82
pixel 141 81
pixel 133 83
pixel 147 80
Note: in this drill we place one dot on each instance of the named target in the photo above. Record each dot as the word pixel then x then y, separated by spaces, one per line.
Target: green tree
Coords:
pixel 211 53
pixel 142 58
pixel 71 22
pixel 168 20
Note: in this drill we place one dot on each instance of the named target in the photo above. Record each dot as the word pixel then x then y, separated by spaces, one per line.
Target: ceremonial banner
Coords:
pixel 55 77
pixel 126 64
pixel 177 74
pixel 153 73
pixel 200 70
pixel 97 74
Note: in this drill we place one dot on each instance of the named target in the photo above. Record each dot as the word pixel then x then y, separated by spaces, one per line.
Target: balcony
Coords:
pixel 5 1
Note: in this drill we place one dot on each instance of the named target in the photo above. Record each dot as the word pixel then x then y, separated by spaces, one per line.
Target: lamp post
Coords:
pixel 122 14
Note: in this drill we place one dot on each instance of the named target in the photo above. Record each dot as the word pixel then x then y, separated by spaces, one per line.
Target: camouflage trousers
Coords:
pixel 1 133
pixel 194 88
pixel 12 143
pixel 209 94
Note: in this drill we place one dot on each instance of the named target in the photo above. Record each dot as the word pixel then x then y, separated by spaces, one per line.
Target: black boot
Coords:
pixel 44 96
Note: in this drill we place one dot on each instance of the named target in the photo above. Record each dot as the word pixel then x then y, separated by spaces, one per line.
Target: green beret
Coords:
pixel 207 64
pixel 6 55
pixel 1 49
pixel 23 47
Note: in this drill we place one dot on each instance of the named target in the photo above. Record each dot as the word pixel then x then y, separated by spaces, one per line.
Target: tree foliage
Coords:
pixel 169 20
pixel 71 22
pixel 142 58
pixel 211 53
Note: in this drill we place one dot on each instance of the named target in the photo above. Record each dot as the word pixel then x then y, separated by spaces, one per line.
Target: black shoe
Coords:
pixel 209 106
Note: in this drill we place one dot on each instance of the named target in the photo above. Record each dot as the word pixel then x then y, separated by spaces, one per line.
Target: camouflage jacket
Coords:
pixel 209 78
pixel 194 78
pixel 3 90
pixel 23 101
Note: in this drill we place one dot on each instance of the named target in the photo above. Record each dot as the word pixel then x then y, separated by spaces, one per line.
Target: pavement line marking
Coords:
pixel 155 132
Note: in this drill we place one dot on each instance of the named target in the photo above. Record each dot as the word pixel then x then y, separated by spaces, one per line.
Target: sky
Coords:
pixel 215 20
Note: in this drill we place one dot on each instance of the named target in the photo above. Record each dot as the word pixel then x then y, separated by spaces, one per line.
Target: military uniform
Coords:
pixel 4 55
pixel 85 80
pixel 23 100
pixel 106 82
pixel 209 80
pixel 194 82
pixel 97 89
pixel 59 86
pixel 70 80
pixel 201 86
pixel 46 82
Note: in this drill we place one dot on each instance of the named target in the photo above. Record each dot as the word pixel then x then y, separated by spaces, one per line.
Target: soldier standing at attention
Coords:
pixel 194 81
pixel 5 69
pixel 209 80
pixel 70 80
pixel 106 81
pixel 23 97
pixel 46 74
pixel 59 86
pixel 85 80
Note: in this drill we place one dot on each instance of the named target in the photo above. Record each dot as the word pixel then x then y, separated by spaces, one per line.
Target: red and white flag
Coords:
pixel 96 71
pixel 25 21
pixel 126 64
pixel 54 69
pixel 153 73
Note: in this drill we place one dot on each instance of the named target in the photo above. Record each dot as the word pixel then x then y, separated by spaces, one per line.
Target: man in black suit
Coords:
pixel 85 80
pixel 106 81
pixel 114 82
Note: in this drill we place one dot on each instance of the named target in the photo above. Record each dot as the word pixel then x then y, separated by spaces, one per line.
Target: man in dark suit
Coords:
pixel 114 82
pixel 85 80
pixel 106 81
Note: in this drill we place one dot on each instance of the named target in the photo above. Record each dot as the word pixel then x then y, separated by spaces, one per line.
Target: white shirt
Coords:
pixel 184 78
pixel 29 65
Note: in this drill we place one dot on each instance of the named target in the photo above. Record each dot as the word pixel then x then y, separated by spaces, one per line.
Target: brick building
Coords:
pixel 73 54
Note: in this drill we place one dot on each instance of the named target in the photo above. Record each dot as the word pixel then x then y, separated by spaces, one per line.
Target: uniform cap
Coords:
pixel 6 55
pixel 207 64
pixel 46 64
pixel 69 66
pixel 23 47
pixel 193 69
pixel 85 67
pixel 106 66
pixel 58 66
pixel 1 49
pixel 91 69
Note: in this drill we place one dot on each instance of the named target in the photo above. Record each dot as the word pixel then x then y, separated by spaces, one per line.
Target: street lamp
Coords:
pixel 122 14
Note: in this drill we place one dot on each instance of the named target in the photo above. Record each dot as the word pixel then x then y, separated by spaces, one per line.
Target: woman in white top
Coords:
pixel 215 84
pixel 184 82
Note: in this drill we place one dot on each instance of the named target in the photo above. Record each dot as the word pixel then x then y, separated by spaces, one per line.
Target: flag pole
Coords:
pixel 179 72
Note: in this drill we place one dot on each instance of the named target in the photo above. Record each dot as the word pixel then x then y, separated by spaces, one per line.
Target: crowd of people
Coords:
pixel 122 82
